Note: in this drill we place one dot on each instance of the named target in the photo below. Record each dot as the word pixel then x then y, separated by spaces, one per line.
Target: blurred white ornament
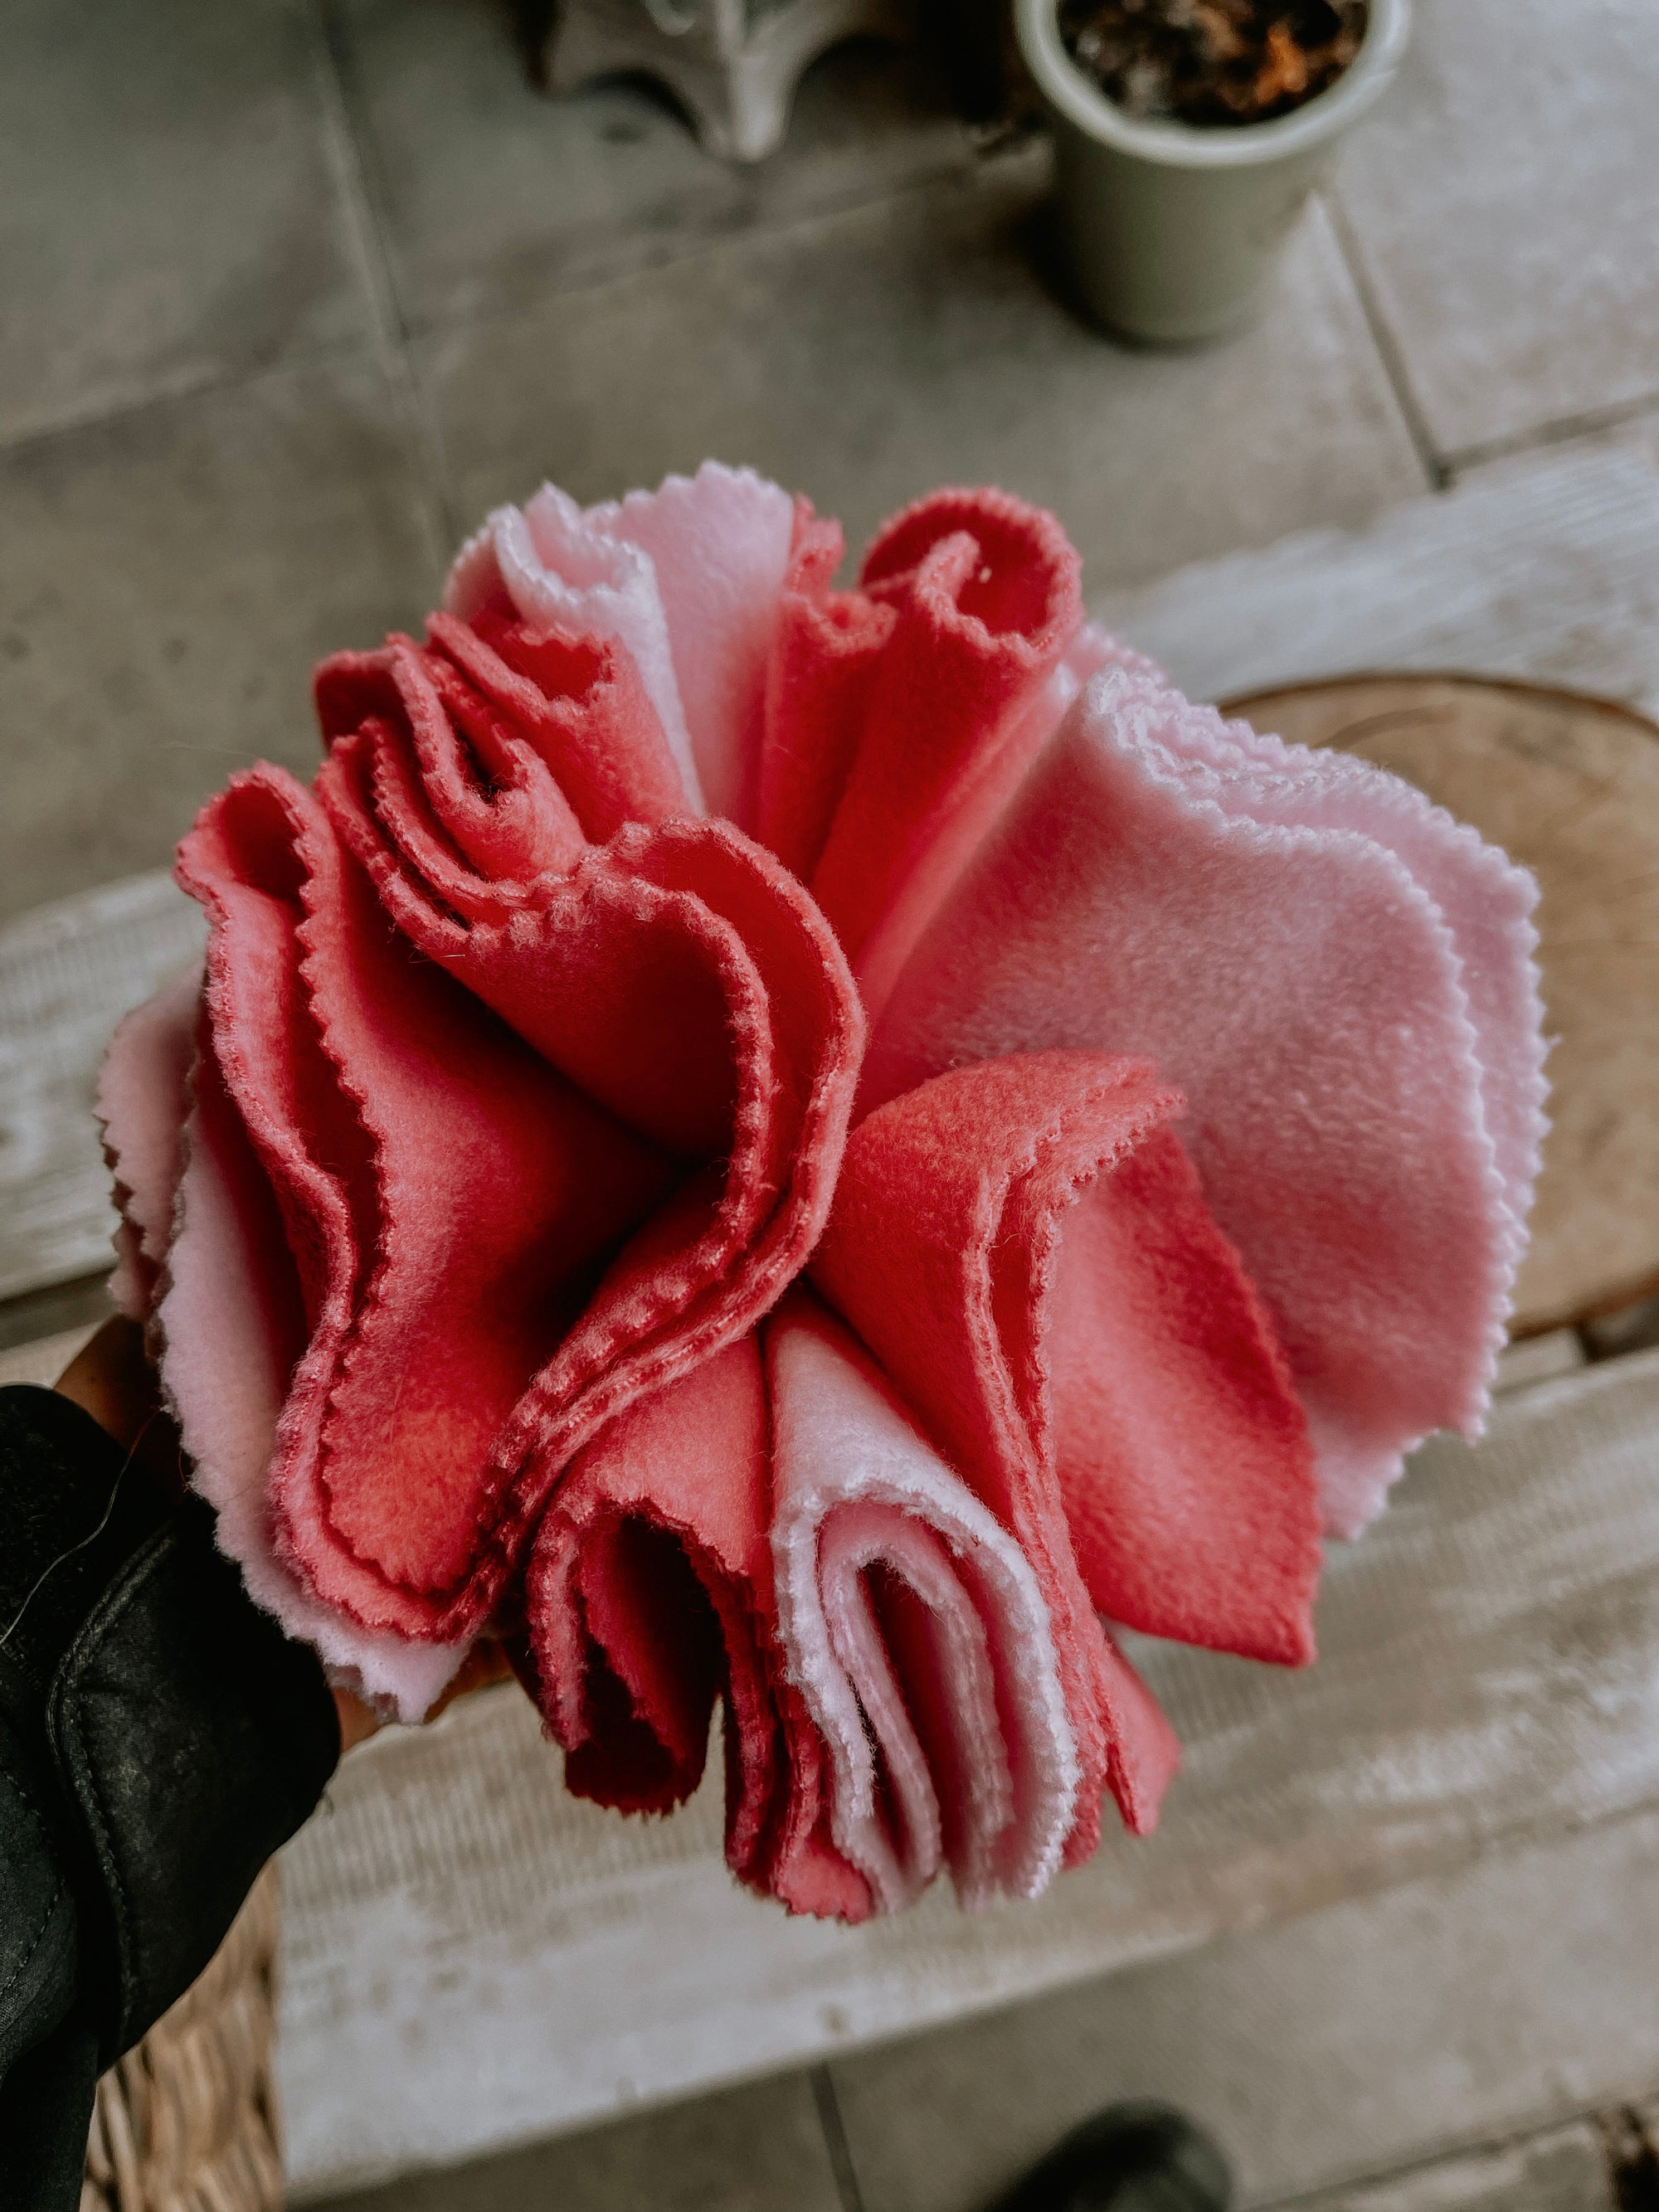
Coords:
pixel 733 64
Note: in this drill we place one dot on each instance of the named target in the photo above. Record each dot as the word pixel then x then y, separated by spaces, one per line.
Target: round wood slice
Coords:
pixel 1569 787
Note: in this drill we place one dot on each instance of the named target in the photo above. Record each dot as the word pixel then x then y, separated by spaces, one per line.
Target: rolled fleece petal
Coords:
pixel 719 544
pixel 649 1601
pixel 687 578
pixel 901 717
pixel 825 648
pixel 1341 984
pixel 1023 1247
pixel 559 574
pixel 676 975
pixel 426 1304
pixel 916 1631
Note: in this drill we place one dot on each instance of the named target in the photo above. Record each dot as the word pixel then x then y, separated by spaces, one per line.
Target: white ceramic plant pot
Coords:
pixel 1172 234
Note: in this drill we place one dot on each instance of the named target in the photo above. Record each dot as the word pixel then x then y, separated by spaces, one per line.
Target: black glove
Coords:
pixel 159 1738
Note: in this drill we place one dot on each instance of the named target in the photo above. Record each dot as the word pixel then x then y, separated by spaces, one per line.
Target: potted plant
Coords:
pixel 1172 228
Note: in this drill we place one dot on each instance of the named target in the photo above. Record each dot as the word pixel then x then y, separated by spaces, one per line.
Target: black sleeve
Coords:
pixel 160 1737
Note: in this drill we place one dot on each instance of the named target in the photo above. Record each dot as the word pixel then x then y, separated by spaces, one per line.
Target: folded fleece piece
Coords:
pixel 1339 978
pixel 530 1246
pixel 686 579
pixel 775 1532
pixel 491 1238
pixel 185 1161
pixel 1000 1238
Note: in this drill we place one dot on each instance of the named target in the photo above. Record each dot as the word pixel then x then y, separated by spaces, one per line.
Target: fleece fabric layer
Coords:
pixel 203 1249
pixel 686 579
pixel 1023 1246
pixel 141 1103
pixel 427 1303
pixel 1300 948
pixel 531 1244
pixel 917 1630
pixel 649 1601
pixel 901 717
pixel 773 1535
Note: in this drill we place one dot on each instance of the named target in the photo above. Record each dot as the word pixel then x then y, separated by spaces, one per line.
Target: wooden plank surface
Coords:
pixel 473 1957
pixel 68 973
pixel 1545 567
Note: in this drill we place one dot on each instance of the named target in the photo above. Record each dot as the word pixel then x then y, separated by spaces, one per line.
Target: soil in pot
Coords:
pixel 1211 61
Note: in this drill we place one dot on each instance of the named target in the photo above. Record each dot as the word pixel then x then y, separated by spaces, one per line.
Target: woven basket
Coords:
pixel 187 2122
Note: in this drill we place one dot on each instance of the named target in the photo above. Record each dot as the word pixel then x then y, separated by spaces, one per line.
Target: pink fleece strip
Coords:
pixel 719 544
pixel 1487 900
pixel 1306 990
pixel 142 1087
pixel 558 572
pixel 689 578
pixel 950 1743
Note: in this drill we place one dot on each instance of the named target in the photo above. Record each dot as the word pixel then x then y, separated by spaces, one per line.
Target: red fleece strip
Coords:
pixel 682 985
pixel 984 595
pixel 825 651
pixel 649 1596
pixel 428 1303
pixel 900 717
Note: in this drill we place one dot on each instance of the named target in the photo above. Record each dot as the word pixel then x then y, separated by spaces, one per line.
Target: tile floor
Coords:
pixel 289 291
pixel 760 2149
pixel 284 307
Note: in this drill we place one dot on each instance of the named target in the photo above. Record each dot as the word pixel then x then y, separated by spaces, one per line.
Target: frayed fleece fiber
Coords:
pixel 1341 983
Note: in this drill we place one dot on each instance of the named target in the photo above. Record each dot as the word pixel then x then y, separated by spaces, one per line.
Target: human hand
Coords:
pixel 112 1379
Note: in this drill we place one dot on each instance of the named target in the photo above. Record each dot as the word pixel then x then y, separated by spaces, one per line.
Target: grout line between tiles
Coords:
pixel 835 2140
pixel 354 172
pixel 984 170
pixel 1435 468
pixel 1560 430
pixel 1428 2163
pixel 179 392
pixel 349 159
